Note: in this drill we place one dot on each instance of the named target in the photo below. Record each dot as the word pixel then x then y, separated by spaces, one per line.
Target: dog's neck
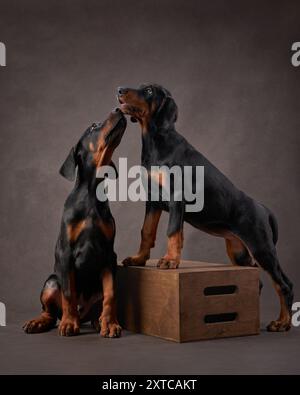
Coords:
pixel 152 136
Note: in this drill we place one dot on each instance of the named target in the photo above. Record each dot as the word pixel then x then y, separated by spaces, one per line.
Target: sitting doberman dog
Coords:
pixel 248 227
pixel 85 261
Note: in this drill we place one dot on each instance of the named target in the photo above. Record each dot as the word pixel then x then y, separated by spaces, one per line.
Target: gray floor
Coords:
pixel 268 353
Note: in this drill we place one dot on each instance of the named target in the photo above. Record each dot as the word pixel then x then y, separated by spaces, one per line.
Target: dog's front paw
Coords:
pixel 109 328
pixel 279 326
pixel 69 327
pixel 39 325
pixel 136 260
pixel 168 263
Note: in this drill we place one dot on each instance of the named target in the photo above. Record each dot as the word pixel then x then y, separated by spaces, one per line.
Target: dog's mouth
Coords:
pixel 116 133
pixel 120 99
pixel 127 109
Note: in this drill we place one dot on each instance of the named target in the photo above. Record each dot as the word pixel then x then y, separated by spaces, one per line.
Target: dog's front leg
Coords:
pixel 108 319
pixel 171 259
pixel 148 236
pixel 69 324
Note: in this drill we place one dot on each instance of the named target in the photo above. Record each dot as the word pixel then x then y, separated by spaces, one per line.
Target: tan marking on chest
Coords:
pixel 74 230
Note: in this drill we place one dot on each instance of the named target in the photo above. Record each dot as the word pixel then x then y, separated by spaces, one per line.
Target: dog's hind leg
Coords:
pixel 261 243
pixel 267 259
pixel 51 303
pixel 239 254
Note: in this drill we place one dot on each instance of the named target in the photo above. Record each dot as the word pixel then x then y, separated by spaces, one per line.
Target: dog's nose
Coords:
pixel 117 109
pixel 122 91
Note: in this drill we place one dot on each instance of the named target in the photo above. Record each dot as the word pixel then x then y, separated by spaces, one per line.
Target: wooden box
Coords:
pixel 197 301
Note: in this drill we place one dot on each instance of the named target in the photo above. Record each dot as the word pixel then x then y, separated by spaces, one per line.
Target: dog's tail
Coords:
pixel 274 226
pixel 273 223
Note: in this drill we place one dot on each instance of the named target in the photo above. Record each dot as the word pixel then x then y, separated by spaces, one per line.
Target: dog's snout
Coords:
pixel 122 91
pixel 117 109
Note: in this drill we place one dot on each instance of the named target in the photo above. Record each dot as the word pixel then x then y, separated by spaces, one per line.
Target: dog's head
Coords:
pixel 149 104
pixel 95 148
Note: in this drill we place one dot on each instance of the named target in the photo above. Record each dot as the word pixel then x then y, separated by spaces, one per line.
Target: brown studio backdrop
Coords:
pixel 228 67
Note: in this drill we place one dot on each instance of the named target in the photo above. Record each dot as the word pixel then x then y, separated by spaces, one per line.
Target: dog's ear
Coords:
pixel 167 112
pixel 68 168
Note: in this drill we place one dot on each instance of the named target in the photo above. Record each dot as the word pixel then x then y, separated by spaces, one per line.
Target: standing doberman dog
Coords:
pixel 248 227
pixel 85 261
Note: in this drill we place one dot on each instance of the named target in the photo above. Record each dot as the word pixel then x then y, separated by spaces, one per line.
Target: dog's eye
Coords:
pixel 149 91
